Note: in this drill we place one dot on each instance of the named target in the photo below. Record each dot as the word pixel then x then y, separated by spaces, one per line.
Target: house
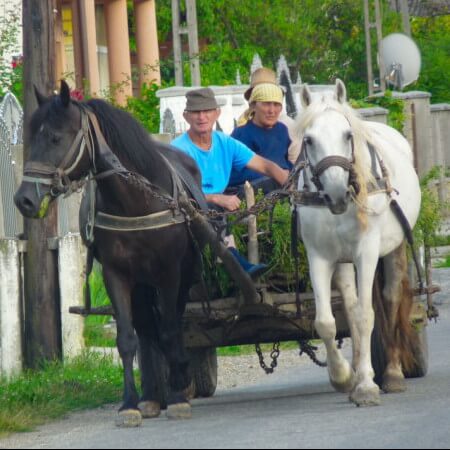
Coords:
pixel 93 44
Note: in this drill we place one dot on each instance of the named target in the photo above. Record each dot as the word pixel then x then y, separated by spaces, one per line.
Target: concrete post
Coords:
pixel 118 49
pixel 10 308
pixel 147 42
pixel 72 258
pixel 417 128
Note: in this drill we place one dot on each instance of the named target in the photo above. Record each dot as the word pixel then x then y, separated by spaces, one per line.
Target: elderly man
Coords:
pixel 217 155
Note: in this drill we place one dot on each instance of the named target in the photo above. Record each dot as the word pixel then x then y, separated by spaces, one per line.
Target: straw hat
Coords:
pixel 260 76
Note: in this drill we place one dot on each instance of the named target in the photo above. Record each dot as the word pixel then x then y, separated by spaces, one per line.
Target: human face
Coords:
pixel 266 113
pixel 202 122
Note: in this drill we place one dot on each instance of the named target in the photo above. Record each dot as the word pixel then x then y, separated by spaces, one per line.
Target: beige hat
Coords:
pixel 201 100
pixel 260 76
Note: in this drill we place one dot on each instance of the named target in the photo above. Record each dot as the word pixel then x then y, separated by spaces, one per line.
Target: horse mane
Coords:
pixel 127 138
pixel 361 137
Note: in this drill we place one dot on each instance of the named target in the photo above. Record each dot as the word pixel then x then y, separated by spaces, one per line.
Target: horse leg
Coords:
pixel 119 292
pixel 152 373
pixel 339 370
pixel 395 270
pixel 345 281
pixel 173 296
pixel 366 392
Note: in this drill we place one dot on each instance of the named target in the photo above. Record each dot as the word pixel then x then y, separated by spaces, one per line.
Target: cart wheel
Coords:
pixel 420 352
pixel 204 371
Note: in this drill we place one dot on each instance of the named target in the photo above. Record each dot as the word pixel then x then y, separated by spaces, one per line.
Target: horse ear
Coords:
pixel 305 95
pixel 65 93
pixel 341 91
pixel 41 99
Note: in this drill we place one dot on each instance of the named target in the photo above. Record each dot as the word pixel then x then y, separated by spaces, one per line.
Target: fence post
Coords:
pixel 10 309
pixel 72 258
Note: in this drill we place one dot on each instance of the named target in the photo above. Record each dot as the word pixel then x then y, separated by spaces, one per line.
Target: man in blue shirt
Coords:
pixel 217 155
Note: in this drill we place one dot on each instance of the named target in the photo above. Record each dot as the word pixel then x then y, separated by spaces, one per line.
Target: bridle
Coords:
pixel 326 163
pixel 58 178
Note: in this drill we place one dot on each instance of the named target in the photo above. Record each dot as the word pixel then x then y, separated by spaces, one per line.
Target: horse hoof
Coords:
pixel 366 396
pixel 129 418
pixel 179 411
pixel 149 410
pixel 344 387
pixel 393 384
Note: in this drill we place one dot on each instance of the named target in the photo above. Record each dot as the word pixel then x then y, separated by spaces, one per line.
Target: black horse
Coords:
pixel 148 272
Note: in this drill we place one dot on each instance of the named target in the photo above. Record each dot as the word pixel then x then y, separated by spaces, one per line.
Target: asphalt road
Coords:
pixel 294 408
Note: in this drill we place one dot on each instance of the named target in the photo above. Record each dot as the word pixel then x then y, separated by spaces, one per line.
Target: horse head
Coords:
pixel 58 156
pixel 329 147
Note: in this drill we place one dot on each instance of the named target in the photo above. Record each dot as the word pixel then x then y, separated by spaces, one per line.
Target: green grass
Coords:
pixel 444 264
pixel 241 350
pixel 35 397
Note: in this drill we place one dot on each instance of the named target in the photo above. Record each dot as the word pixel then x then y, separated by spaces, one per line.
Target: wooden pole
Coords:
pixel 177 51
pixel 405 17
pixel 379 27
pixel 42 326
pixel 253 251
pixel 368 47
pixel 194 59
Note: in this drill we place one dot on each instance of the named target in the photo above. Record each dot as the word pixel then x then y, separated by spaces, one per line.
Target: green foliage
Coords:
pixel 10 71
pixel 395 107
pixel 431 212
pixel 145 108
pixel 33 398
pixel 275 250
pixel 321 40
pixel 95 334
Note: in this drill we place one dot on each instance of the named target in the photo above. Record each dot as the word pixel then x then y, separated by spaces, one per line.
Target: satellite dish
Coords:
pixel 402 60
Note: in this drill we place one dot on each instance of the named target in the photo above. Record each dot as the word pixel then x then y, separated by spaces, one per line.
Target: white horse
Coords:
pixel 354 228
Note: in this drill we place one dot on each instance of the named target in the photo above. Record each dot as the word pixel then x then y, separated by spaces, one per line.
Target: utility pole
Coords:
pixel 404 9
pixel 190 28
pixel 368 26
pixel 42 313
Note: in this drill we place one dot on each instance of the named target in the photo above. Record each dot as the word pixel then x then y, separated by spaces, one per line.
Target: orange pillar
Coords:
pixel 118 49
pixel 147 42
pixel 89 43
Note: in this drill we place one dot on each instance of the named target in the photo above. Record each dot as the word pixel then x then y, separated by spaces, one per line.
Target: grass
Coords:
pixel 35 397
pixel 444 264
pixel 241 350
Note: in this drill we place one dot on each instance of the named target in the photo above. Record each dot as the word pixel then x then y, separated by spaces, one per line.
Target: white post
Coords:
pixel 72 259
pixel 10 309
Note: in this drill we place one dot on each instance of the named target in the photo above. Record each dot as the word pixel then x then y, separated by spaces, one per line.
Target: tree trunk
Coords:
pixel 42 307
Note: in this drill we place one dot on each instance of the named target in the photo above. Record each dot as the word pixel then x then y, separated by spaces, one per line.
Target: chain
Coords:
pixel 274 354
pixel 310 350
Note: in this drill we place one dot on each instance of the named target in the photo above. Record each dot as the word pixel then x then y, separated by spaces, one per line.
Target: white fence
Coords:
pixel 13 250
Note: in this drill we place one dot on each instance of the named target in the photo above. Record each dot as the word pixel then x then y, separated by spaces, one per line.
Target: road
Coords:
pixel 294 408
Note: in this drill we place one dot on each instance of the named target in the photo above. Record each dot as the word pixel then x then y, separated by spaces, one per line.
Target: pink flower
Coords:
pixel 77 94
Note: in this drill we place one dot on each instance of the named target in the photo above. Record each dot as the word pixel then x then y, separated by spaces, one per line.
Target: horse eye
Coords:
pixel 348 136
pixel 55 139
pixel 307 140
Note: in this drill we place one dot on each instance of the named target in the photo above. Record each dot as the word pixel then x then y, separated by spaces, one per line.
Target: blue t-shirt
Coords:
pixel 226 154
pixel 270 143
